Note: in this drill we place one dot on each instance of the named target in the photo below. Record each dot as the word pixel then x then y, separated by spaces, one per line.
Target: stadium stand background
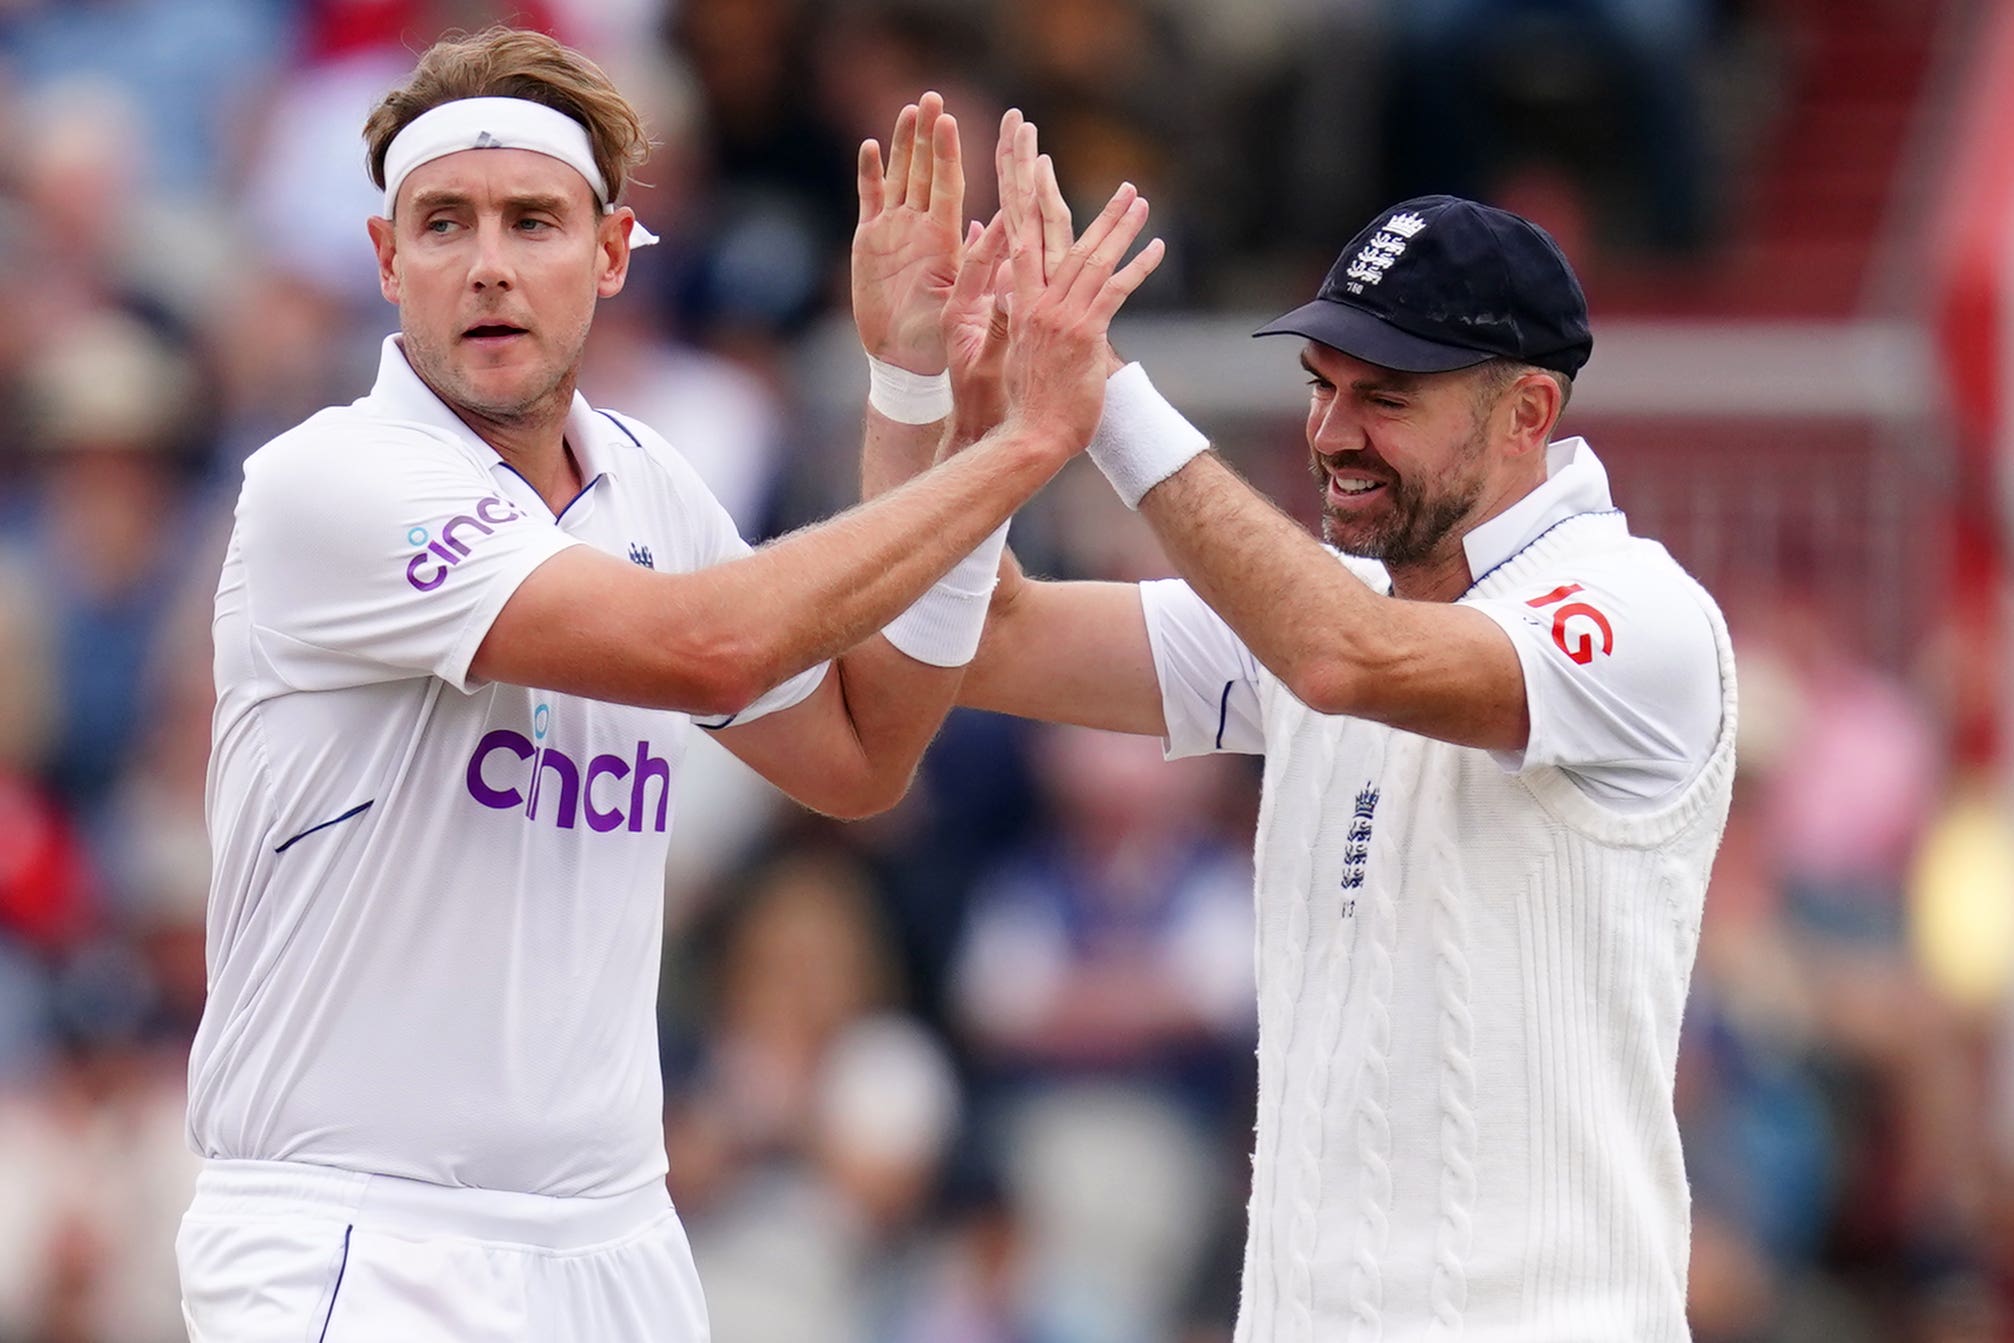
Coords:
pixel 980 1070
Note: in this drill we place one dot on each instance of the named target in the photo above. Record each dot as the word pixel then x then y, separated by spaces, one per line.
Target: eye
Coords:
pixel 438 226
pixel 1321 385
pixel 1388 403
pixel 529 225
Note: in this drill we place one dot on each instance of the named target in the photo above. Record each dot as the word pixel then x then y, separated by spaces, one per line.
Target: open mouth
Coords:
pixel 1348 489
pixel 492 331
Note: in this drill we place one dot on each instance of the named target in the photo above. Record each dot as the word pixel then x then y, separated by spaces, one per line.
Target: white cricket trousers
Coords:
pixel 278 1252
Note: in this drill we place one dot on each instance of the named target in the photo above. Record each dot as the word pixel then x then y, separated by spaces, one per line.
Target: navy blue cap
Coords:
pixel 1439 283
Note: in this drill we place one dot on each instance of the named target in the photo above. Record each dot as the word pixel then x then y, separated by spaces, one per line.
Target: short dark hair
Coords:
pixel 1493 376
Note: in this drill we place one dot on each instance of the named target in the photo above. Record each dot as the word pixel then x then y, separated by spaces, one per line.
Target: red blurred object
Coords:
pixel 1972 249
pixel 45 880
pixel 337 28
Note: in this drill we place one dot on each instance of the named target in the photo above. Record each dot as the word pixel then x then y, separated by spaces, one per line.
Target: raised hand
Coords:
pixel 907 244
pixel 1063 301
pixel 975 336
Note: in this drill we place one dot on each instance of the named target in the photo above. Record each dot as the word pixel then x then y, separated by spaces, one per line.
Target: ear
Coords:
pixel 613 246
pixel 1533 404
pixel 383 242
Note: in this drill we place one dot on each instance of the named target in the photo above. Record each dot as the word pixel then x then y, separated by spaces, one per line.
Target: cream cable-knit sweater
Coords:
pixel 1470 986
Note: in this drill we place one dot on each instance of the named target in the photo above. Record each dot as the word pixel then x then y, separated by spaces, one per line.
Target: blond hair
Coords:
pixel 502 62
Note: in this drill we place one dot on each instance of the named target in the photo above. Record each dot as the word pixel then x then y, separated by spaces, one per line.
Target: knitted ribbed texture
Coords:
pixel 1455 1234
pixel 1305 1122
pixel 1281 954
pixel 1377 911
pixel 1465 1110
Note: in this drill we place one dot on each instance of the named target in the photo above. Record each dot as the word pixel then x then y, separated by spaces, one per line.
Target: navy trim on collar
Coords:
pixel 620 425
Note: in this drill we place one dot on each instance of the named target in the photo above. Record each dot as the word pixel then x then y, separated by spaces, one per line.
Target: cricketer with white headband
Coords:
pixel 498 123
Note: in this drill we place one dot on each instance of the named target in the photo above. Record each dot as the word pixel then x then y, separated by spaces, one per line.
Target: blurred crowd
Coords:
pixel 980 1070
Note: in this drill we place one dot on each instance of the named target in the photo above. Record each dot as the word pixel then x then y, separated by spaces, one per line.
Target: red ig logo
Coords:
pixel 1582 649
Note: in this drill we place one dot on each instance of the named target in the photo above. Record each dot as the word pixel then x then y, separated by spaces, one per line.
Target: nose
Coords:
pixel 490 267
pixel 1333 431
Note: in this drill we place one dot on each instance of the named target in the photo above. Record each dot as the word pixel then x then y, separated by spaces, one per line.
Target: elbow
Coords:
pixel 1329 684
pixel 868 796
pixel 717 677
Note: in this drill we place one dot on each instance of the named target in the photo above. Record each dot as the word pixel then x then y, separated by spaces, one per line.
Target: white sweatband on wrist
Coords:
pixel 905 397
pixel 1141 440
pixel 498 123
pixel 944 625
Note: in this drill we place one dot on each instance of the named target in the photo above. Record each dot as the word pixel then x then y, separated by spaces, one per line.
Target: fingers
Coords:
pixel 1103 258
pixel 1024 224
pixel 1122 284
pixel 916 195
pixel 946 198
pixel 1003 165
pixel 1057 230
pixel 869 183
pixel 1093 245
pixel 901 150
pixel 984 248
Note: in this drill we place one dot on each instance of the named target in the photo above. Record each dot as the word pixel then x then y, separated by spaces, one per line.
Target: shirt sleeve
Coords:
pixel 709 532
pixel 1622 680
pixel 380 559
pixel 1209 679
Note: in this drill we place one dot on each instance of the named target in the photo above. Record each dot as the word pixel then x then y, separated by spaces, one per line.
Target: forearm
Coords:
pixel 894 705
pixel 1308 619
pixel 1066 653
pixel 892 452
pixel 820 591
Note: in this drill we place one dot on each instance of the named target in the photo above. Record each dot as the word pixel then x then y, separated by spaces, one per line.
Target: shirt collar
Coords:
pixel 1576 482
pixel 399 394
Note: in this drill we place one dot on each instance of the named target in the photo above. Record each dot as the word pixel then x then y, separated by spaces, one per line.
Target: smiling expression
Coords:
pixel 1403 459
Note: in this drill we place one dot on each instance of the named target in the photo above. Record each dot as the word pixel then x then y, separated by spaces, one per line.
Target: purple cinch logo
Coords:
pixel 429 569
pixel 528 762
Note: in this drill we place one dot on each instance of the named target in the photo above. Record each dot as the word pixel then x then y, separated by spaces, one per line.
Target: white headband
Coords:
pixel 498 123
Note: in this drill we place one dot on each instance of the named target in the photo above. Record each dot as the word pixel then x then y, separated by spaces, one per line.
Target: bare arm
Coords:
pixel 711 641
pixel 1434 668
pixel 1067 653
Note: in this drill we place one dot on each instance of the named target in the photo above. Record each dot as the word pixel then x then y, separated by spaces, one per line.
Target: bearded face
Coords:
pixel 1399 519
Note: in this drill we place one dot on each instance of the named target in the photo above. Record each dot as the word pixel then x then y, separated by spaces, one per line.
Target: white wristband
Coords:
pixel 905 397
pixel 1141 439
pixel 944 625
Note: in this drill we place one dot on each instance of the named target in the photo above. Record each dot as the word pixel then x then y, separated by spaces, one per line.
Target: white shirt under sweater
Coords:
pixel 1472 966
pixel 437 903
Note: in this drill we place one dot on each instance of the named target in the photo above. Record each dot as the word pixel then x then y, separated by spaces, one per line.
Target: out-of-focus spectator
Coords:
pixel 195 65
pixel 97 1168
pixel 782 198
pixel 1106 986
pixel 109 401
pixel 872 58
pixel 807 1137
pixel 1119 98
pixel 1605 90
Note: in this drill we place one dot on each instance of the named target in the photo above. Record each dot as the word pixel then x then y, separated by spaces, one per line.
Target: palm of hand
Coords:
pixel 905 262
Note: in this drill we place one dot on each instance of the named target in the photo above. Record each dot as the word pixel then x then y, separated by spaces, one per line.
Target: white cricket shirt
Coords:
pixel 1472 966
pixel 437 903
pixel 1611 668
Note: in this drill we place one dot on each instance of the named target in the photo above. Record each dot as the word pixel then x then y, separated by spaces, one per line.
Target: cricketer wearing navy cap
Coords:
pixel 1498 732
